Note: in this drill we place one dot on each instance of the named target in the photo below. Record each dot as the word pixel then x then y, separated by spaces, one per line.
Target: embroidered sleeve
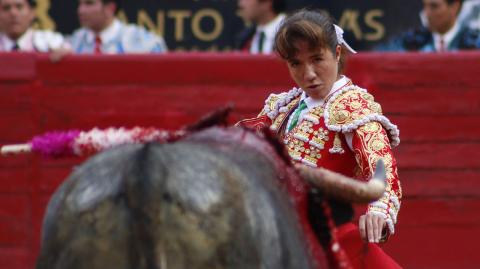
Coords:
pixel 371 143
pixel 352 107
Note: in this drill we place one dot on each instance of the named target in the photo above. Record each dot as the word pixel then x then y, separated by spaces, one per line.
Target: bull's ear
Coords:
pixel 380 173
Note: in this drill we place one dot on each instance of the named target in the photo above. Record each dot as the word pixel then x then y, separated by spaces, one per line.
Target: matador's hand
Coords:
pixel 371 227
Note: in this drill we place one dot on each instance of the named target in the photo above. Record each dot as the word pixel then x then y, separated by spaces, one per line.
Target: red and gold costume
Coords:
pixel 347 134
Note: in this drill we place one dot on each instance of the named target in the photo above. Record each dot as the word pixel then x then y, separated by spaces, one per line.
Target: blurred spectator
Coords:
pixel 101 32
pixel 442 31
pixel 266 16
pixel 16 17
pixel 469 15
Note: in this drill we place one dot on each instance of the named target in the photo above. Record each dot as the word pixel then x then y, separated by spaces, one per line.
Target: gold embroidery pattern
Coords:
pixel 352 105
pixel 295 149
pixel 374 145
pixel 319 138
pixel 337 145
pixel 277 123
pixel 305 142
pixel 278 120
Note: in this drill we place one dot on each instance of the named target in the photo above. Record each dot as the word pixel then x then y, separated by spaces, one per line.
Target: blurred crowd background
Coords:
pixel 148 26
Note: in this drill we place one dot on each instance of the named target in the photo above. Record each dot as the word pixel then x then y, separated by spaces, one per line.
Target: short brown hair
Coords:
pixel 316 27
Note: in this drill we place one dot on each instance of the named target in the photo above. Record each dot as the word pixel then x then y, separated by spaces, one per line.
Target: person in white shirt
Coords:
pixel 266 16
pixel 102 33
pixel 16 17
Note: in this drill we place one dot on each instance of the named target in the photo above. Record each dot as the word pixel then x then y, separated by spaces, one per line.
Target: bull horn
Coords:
pixel 343 188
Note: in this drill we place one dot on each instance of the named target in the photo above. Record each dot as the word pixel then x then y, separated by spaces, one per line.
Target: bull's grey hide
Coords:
pixel 182 205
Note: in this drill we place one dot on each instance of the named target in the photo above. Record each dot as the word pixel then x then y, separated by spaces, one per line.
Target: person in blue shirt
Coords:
pixel 102 33
pixel 443 32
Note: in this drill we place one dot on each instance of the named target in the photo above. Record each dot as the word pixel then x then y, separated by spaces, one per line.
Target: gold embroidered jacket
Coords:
pixel 348 134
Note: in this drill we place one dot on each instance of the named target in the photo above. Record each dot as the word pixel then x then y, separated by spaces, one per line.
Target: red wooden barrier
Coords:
pixel 435 100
